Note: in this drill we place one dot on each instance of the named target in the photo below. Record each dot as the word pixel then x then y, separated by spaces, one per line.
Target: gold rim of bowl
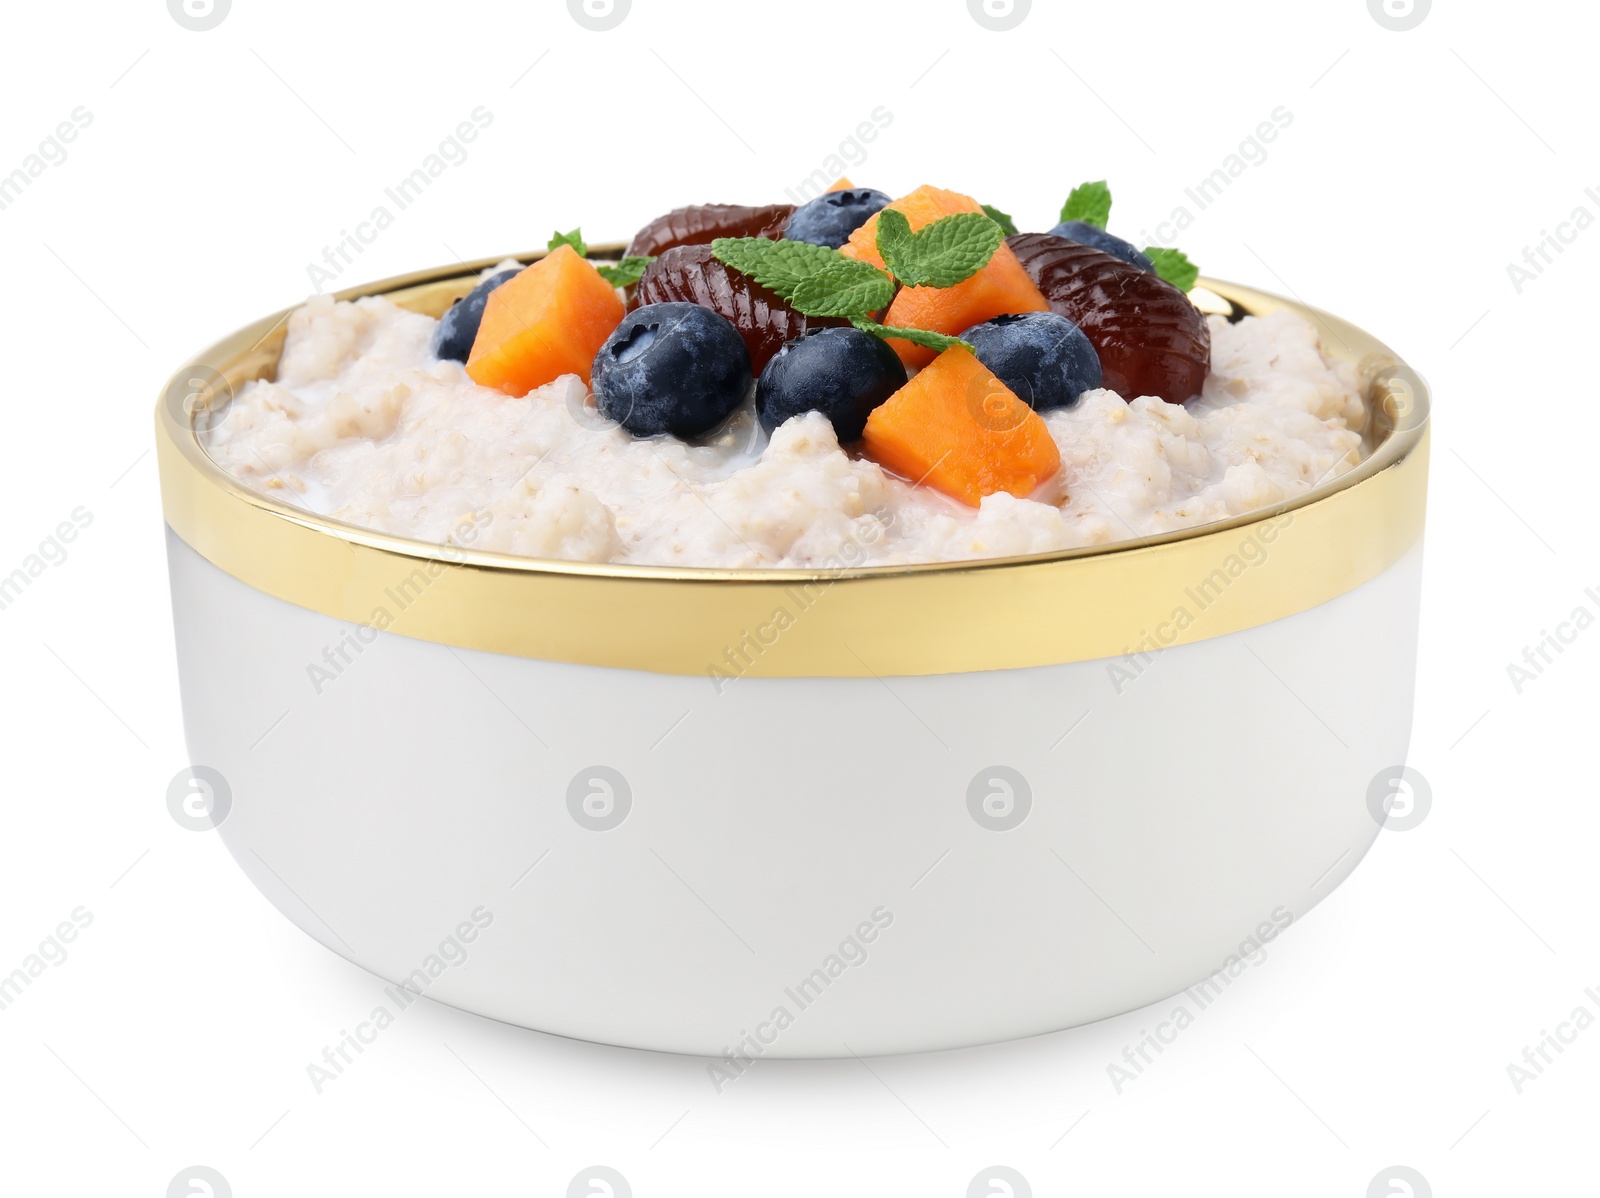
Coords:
pixel 841 620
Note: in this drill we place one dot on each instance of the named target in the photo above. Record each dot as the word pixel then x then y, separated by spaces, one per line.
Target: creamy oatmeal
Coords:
pixel 364 424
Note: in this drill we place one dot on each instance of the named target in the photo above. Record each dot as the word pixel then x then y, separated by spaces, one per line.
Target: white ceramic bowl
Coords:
pixel 938 807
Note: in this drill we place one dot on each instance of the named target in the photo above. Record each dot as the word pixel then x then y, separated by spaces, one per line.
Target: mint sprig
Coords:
pixel 1173 266
pixel 574 239
pixel 1090 203
pixel 816 280
pixel 626 272
pixel 842 289
pixel 940 254
pixel 780 265
pixel 623 274
pixel 937 342
pixel 1007 225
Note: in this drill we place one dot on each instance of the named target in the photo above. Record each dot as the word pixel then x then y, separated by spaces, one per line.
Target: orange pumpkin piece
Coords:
pixel 1002 286
pixel 842 183
pixel 958 429
pixel 922 207
pixel 548 321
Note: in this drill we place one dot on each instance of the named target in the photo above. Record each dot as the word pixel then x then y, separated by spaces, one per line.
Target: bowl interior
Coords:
pixel 1396 401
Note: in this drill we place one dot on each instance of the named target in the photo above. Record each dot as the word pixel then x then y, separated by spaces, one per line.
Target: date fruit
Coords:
pixel 1150 338
pixel 688 273
pixel 700 224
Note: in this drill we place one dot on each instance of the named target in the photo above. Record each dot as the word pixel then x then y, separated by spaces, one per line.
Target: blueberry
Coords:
pixel 458 328
pixel 1098 239
pixel 1044 358
pixel 831 218
pixel 671 368
pixel 842 373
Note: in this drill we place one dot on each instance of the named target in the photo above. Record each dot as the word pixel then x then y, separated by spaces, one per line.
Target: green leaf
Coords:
pixel 844 288
pixel 1007 225
pixel 574 239
pixel 780 265
pixel 625 273
pixel 938 342
pixel 744 254
pixel 1173 266
pixel 816 280
pixel 1089 202
pixel 957 247
pixel 895 240
pixel 940 254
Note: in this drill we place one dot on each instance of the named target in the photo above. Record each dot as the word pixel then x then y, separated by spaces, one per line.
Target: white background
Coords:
pixel 218 165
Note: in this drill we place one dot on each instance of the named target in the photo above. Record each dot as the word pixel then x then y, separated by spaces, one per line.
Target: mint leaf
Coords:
pixel 625 273
pixel 1173 266
pixel 816 280
pixel 844 288
pixel 780 265
pixel 941 253
pixel 574 239
pixel 938 342
pixel 1007 225
pixel 957 247
pixel 745 254
pixel 1090 203
pixel 895 240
